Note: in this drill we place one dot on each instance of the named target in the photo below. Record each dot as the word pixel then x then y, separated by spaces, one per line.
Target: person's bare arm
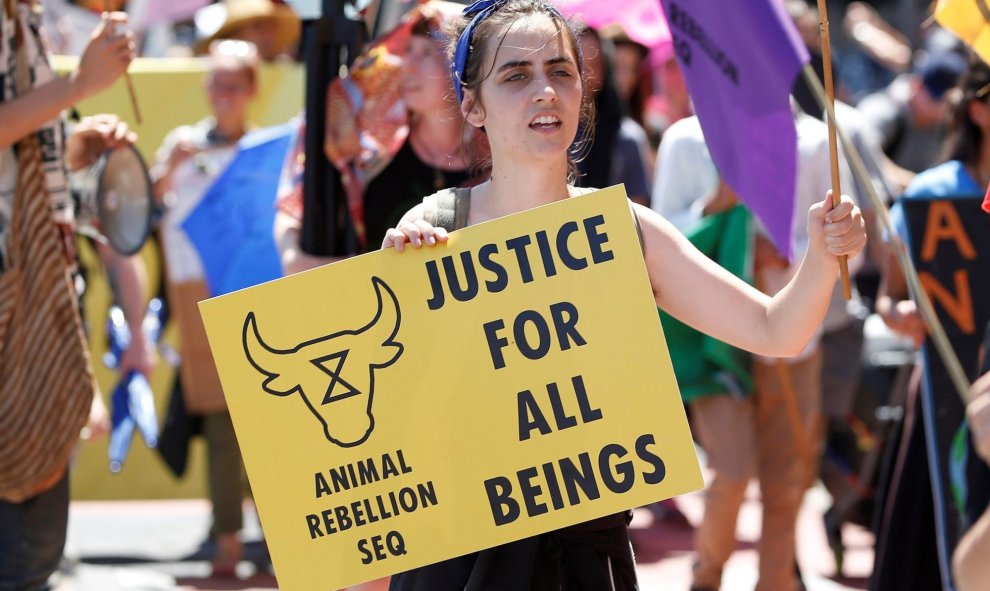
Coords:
pixel 894 306
pixel 876 37
pixel 163 172
pixel 105 59
pixel 93 136
pixel 90 138
pixel 294 258
pixel 131 280
pixel 734 311
pixel 98 421
pixel 969 561
pixel 730 310
pixel 900 177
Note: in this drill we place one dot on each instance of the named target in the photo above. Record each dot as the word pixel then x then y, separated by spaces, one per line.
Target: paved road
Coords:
pixel 157 546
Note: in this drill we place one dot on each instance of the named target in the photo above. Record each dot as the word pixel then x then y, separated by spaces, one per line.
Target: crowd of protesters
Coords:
pixel 912 97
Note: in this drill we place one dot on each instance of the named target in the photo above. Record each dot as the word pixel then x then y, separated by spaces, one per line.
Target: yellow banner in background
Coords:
pixel 170 93
pixel 395 410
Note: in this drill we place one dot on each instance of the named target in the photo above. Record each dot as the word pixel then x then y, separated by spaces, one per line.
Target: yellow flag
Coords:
pixel 970 20
pixel 395 410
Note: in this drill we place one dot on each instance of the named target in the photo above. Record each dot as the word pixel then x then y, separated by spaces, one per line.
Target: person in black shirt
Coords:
pixel 433 155
pixel 400 187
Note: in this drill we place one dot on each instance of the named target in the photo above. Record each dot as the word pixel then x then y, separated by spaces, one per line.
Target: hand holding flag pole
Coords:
pixel 936 331
pixel 832 141
pixel 960 17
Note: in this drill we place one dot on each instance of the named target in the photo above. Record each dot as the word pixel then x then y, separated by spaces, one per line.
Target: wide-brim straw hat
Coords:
pixel 240 12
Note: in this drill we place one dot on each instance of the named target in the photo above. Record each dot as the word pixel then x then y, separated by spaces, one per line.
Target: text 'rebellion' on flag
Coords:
pixel 970 20
pixel 740 60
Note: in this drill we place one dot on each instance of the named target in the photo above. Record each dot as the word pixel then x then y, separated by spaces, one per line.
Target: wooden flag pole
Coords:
pixel 127 77
pixel 935 329
pixel 833 146
pixel 133 95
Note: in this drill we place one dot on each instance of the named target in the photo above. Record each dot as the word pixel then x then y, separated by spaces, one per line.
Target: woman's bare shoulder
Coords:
pixel 655 227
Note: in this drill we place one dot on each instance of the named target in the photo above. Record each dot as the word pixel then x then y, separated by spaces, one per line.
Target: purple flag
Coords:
pixel 740 59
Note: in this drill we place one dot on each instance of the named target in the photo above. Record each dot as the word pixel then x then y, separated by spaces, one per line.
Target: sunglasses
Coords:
pixel 242 50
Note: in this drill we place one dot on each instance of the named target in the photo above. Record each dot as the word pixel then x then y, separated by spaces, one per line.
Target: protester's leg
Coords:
pixel 32 537
pixel 226 492
pixel 808 386
pixel 725 428
pixel 783 473
pixel 841 370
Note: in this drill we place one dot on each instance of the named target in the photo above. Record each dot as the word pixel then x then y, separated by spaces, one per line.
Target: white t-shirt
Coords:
pixel 685 174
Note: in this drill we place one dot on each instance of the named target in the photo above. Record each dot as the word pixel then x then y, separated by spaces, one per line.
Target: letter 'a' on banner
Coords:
pixel 740 61
pixel 398 409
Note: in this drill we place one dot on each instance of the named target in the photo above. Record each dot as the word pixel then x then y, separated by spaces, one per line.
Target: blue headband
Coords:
pixel 481 10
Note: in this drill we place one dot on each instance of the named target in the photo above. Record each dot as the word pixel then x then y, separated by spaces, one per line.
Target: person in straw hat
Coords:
pixel 272 26
pixel 188 163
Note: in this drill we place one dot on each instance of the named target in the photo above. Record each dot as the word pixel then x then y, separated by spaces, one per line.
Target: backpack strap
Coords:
pixel 639 227
pixel 462 207
pixel 448 209
pixel 431 207
pixel 579 191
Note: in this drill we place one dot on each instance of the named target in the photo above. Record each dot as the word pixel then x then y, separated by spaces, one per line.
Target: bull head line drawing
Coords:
pixel 317 368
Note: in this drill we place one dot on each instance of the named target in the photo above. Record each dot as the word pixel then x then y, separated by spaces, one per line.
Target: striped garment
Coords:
pixel 46 380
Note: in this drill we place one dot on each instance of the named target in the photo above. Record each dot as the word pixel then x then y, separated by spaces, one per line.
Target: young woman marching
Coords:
pixel 517 72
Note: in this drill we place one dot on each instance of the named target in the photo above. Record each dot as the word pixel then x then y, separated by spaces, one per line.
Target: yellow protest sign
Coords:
pixel 395 410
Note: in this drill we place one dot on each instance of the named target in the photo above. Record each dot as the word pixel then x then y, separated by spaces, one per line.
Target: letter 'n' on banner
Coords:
pixel 395 410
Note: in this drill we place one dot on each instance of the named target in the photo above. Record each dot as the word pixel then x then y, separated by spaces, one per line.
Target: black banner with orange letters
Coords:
pixel 949 241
